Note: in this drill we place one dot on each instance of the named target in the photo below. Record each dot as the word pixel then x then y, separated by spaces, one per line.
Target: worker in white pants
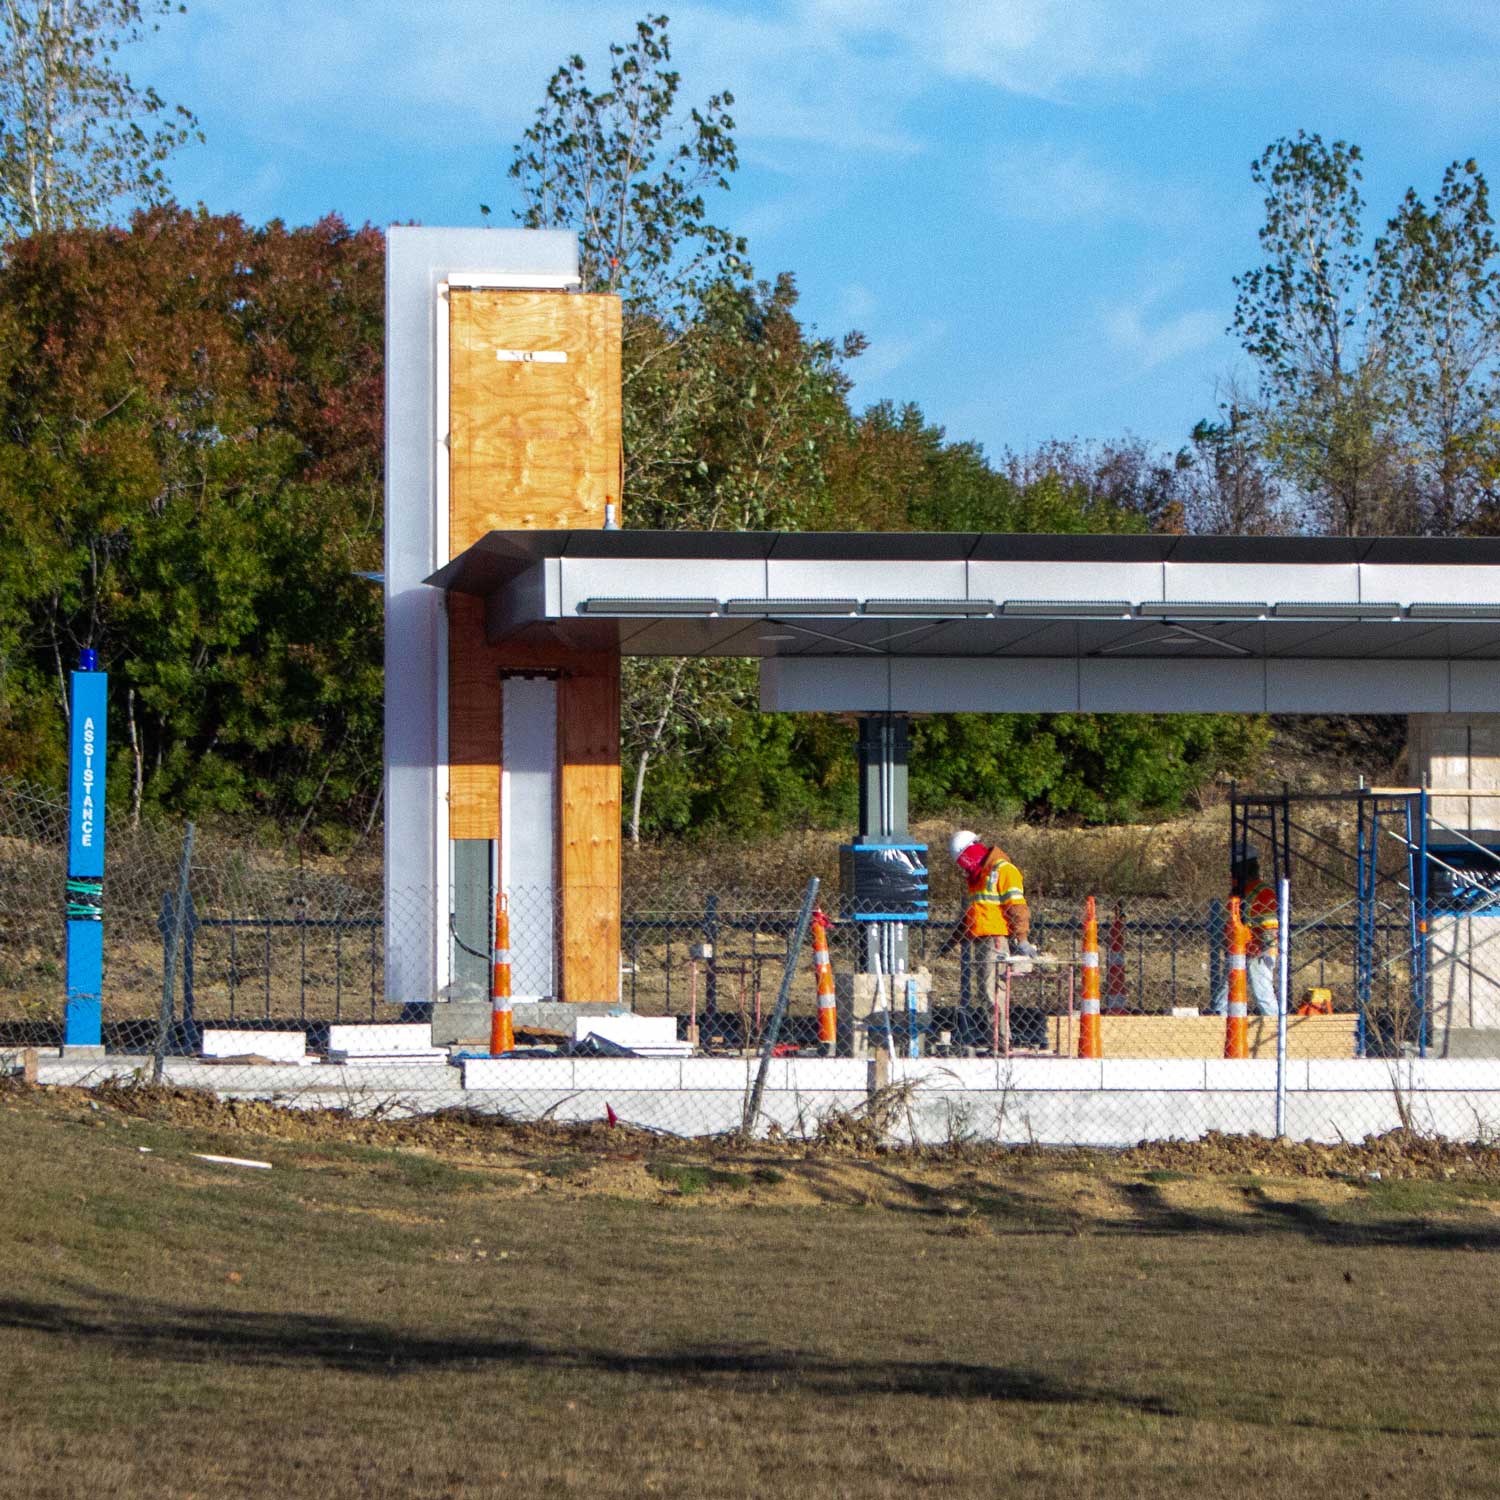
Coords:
pixel 1261 973
pixel 1259 911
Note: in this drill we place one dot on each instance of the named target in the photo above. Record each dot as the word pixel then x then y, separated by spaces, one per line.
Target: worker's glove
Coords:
pixel 1027 950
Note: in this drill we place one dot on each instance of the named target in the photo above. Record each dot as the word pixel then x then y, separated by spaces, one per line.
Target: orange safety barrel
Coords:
pixel 828 1016
pixel 1090 1029
pixel 1237 1022
pixel 1114 973
pixel 502 1025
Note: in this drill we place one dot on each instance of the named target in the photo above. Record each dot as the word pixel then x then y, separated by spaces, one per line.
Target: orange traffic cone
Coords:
pixel 1237 1023
pixel 1090 1037
pixel 1114 973
pixel 828 1016
pixel 502 1027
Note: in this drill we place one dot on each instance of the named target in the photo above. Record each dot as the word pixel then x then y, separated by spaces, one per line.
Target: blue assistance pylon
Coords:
pixel 83 1016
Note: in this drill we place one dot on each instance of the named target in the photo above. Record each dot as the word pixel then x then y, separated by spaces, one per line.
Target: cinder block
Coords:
pixel 1368 1074
pixel 716 1073
pixel 1243 1074
pixel 1046 1073
pixel 518 1072
pixel 1449 1073
pixel 628 1030
pixel 804 1074
pixel 944 1072
pixel 627 1073
pixel 1152 1073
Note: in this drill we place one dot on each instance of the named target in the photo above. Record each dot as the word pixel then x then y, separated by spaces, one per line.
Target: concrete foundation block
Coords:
pixel 521 1073
pixel 715 1073
pixel 627 1073
pixel 1137 1073
pixel 1370 1074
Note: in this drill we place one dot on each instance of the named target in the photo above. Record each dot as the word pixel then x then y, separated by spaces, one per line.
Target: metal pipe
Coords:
pixel 1283 985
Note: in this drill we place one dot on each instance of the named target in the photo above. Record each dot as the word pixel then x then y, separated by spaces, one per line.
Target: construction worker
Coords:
pixel 1259 911
pixel 996 919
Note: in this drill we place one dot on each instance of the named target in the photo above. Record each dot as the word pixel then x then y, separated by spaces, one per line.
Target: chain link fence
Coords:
pixel 269 981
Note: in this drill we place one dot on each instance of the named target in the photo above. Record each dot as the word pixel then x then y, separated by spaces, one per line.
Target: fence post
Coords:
pixel 1216 936
pixel 169 964
pixel 1116 997
pixel 711 968
pixel 773 1028
pixel 1283 996
pixel 189 1000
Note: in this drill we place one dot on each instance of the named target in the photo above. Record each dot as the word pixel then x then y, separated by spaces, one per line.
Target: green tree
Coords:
pixel 1308 316
pixel 1229 490
pixel 626 170
pixel 1439 289
pixel 189 478
pixel 729 404
pixel 77 136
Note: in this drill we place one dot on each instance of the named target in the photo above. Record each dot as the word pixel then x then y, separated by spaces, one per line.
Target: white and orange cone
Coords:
pixel 502 1025
pixel 1237 1022
pixel 1090 1029
pixel 828 1015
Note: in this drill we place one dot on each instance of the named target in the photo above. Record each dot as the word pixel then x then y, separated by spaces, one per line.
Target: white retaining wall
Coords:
pixel 1049 1101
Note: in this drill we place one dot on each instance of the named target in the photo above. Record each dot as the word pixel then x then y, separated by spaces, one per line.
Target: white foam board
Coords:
pixel 279 1046
pixel 382 1039
pixel 627 1030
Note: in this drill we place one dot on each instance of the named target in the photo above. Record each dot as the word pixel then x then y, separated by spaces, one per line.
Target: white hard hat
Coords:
pixel 961 841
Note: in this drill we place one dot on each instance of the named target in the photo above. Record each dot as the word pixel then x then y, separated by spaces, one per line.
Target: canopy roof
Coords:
pixel 917 621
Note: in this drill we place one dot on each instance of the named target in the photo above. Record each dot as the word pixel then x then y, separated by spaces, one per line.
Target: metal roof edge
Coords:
pixel 502 554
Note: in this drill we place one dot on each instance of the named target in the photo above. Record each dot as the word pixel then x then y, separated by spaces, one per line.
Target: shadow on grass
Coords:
pixel 1146 1209
pixel 287 1340
pixel 1356 1225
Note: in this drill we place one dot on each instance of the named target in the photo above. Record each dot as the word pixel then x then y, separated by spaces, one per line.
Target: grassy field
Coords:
pixel 455 1309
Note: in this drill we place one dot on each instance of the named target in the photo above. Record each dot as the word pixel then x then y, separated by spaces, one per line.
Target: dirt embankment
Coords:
pixel 844 1166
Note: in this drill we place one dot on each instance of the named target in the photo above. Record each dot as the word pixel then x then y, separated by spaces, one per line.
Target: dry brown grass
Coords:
pixel 592 1315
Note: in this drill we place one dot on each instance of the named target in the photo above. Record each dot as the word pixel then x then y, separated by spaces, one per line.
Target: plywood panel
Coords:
pixel 1203 1036
pixel 533 443
pixel 589 728
pixel 589 781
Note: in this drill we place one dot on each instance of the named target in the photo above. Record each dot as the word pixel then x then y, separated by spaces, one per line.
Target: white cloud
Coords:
pixel 887 354
pixel 1148 339
pixel 1050 185
pixel 837 74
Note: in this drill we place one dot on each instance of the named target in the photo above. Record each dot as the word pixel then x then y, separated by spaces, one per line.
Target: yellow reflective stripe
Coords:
pixel 1015 893
pixel 985 898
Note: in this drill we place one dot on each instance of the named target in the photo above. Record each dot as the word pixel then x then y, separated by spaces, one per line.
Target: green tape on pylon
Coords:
pixel 85 898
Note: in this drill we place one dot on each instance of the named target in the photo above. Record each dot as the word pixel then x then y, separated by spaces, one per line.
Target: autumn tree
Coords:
pixel 1308 315
pixel 77 135
pixel 1439 292
pixel 1228 488
pixel 190 416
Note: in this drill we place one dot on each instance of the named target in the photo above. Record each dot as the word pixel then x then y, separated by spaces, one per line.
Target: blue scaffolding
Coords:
pixel 1384 864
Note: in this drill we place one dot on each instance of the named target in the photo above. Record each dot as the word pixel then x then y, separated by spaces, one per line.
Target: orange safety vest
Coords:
pixel 995 886
pixel 1259 911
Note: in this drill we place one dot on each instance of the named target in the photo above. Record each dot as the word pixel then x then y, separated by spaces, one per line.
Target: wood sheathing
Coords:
pixel 536 444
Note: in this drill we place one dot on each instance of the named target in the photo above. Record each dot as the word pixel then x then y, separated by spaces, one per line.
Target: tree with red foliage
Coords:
pixel 190 464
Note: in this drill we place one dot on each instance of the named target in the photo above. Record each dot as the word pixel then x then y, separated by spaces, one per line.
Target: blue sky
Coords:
pixel 1033 208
